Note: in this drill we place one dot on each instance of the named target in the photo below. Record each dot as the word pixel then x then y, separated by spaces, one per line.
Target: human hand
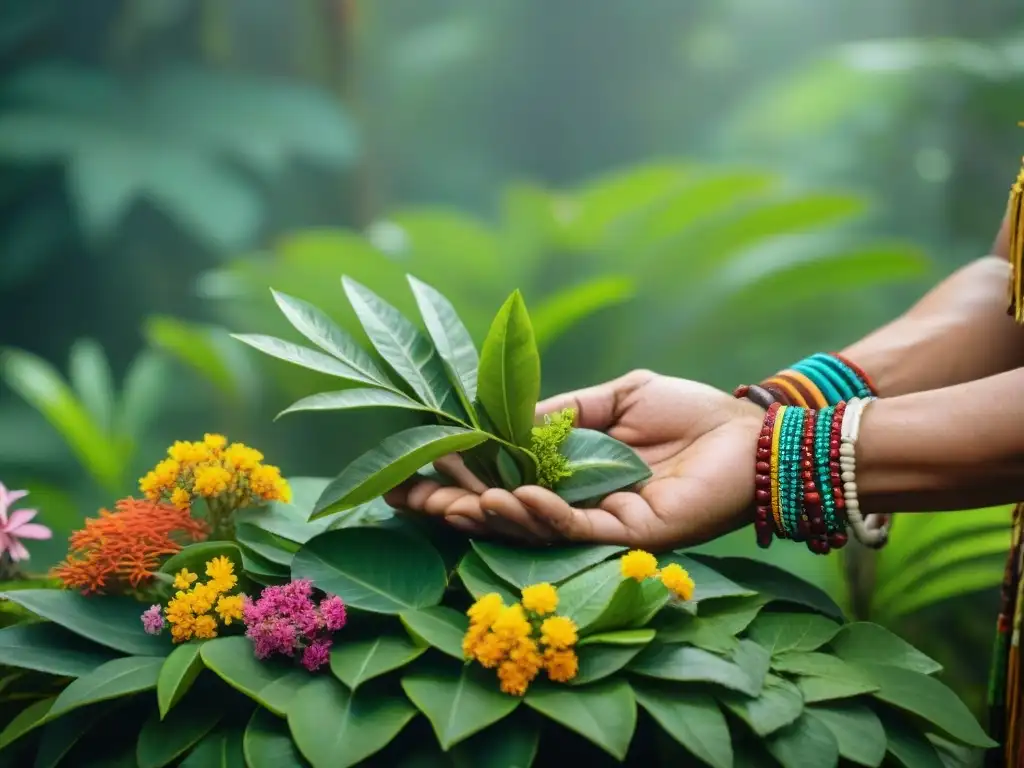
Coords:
pixel 699 442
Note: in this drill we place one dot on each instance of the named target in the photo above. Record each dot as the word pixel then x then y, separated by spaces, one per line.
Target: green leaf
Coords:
pixel 752 659
pixel 194 557
pixel 265 544
pixel 511 744
pixel 304 357
pixel 271 683
pixel 113 622
pixel 480 580
pixel 396 459
pixel 558 312
pixel 42 387
pixel 819 665
pixel 817 689
pixel 597 662
pixel 355 399
pixel 600 465
pixel 774 583
pixel 316 326
pixel 290 521
pixel 905 742
pixel 620 637
pixel 220 749
pixel 586 596
pixel 870 643
pixel 680 627
pixel 89 372
pixel 857 730
pixel 206 350
pixel 356 661
pixel 162 741
pixel 523 567
pixel 458 702
pixel 60 736
pixel 32 716
pixel 46 647
pixel 116 678
pixel 927 698
pixel 179 671
pixel 708 583
pixel 403 346
pixel 374 569
pixel 805 742
pixel 732 614
pixel 361 723
pixel 439 626
pixel 694 720
pixel 684 663
pixel 603 713
pixel 509 375
pixel 450 337
pixel 786 632
pixel 144 392
pixel 779 704
pixel 268 743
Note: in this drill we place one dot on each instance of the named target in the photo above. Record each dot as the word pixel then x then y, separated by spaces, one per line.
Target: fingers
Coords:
pixel 456 469
pixel 604 525
pixel 597 407
pixel 508 515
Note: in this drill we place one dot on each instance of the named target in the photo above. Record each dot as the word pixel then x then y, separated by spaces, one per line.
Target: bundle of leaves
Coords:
pixel 330 631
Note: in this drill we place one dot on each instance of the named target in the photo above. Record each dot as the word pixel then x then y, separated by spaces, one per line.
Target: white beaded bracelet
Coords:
pixel 875 538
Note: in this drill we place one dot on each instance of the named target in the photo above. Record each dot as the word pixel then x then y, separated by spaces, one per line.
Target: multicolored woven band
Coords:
pixel 818 381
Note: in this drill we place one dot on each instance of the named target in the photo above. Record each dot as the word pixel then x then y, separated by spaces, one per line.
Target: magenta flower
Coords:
pixel 153 620
pixel 286 620
pixel 15 525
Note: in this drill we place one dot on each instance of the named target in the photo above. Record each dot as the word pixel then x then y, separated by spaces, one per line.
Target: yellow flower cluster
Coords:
pixel 640 565
pixel 195 607
pixel 233 474
pixel 521 639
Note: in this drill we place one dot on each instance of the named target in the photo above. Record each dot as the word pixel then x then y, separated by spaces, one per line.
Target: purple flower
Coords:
pixel 153 620
pixel 333 611
pixel 15 525
pixel 316 655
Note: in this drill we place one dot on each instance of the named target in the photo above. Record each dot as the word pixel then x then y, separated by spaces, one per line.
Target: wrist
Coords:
pixel 816 381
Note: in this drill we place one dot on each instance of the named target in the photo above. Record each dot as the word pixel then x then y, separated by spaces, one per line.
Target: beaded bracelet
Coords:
pixel 805 477
pixel 815 382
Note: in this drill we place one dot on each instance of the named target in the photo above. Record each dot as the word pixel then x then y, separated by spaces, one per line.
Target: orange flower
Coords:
pixel 125 547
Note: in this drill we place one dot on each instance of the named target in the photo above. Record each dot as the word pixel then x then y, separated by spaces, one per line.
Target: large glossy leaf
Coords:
pixel 450 337
pixel 817 689
pixel 512 743
pixel 303 357
pixel 819 665
pixel 316 326
pixel 438 626
pixel 480 580
pixel 865 642
pixel 396 459
pixel 333 727
pixel 604 712
pixel 59 736
pixel 708 583
pixel 355 399
pixel 693 719
pixel 523 567
pixel 789 632
pixel 220 749
pixel 684 663
pixel 906 742
pixel 779 704
pixel 806 742
pixel 109 621
pixel 600 465
pixel 597 662
pixel 271 683
pixel 179 671
pixel 458 702
pixel 291 521
pixel 274 549
pixel 509 377
pixel 268 743
pixel 116 678
pixel 31 717
pixel 857 730
pixel 42 386
pixel 161 741
pixel 681 627
pixel 356 661
pixel 600 599
pixel 404 347
pixel 774 583
pixel 374 569
pixel 46 647
pixel 928 699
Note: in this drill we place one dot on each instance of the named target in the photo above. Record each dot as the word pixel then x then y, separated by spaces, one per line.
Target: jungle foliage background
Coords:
pixel 709 188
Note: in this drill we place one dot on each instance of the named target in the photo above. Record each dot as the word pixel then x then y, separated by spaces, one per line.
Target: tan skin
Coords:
pixel 947 434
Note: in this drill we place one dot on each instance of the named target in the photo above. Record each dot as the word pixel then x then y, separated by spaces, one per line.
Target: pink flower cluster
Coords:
pixel 153 620
pixel 286 620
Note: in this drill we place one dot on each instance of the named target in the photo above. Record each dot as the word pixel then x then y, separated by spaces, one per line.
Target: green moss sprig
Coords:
pixel 546 444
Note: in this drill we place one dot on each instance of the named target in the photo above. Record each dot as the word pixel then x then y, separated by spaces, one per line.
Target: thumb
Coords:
pixel 596 407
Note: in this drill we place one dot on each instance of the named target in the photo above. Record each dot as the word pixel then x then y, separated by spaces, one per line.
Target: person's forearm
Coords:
pixel 960 447
pixel 960 331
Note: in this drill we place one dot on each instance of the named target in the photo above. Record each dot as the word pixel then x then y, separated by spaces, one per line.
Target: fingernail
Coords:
pixel 459 522
pixel 489 512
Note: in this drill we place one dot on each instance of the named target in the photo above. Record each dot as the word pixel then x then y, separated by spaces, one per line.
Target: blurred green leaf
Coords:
pixel 89 372
pixel 41 385
pixel 206 350
pixel 145 389
pixel 558 312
